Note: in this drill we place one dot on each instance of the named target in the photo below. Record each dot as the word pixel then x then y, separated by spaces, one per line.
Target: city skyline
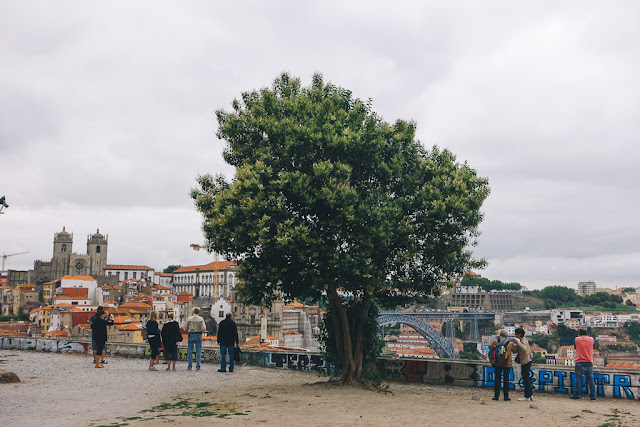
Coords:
pixel 108 117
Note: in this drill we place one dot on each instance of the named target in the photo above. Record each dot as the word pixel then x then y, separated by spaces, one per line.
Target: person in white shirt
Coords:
pixel 195 328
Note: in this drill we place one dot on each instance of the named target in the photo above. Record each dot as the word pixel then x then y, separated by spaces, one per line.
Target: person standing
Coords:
pixel 195 329
pixel 103 360
pixel 524 358
pixel 502 371
pixel 584 345
pixel 227 339
pixel 171 336
pixel 99 334
pixel 154 339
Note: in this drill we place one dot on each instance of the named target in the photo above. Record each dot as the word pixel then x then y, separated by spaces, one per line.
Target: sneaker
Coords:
pixel 152 368
pixel 593 398
pixel 189 368
pixel 230 370
pixel 495 398
pixel 506 399
pixel 222 370
pixel 525 399
pixel 575 397
pixel 197 368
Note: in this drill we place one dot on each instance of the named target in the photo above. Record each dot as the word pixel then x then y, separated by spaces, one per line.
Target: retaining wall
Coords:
pixel 545 378
pixel 464 373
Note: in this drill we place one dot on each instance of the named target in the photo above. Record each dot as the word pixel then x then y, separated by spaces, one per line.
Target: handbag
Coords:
pixel 237 354
pixel 518 358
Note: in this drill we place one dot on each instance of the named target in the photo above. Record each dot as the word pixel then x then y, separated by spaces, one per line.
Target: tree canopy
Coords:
pixel 329 199
pixel 171 268
pixel 489 285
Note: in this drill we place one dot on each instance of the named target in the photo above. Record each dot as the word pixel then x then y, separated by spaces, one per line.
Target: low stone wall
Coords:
pixel 546 379
pixel 300 361
pixel 464 373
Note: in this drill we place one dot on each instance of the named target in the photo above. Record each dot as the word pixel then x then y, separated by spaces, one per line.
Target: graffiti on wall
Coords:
pixel 43 344
pixel 562 381
pixel 299 362
pixel 624 385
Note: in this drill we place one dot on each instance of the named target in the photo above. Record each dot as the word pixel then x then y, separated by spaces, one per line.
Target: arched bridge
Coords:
pixel 418 321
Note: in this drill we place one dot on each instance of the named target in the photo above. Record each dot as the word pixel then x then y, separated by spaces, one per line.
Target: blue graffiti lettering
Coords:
pixel 545 377
pixel 489 376
pixel 600 380
pixel 624 382
pixel 561 388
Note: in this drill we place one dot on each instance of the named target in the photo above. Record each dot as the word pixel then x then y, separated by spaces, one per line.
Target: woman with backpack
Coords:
pixel 171 336
pixel 500 352
pixel 153 337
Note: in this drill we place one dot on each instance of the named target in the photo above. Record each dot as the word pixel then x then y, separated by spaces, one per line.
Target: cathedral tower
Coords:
pixel 62 248
pixel 97 252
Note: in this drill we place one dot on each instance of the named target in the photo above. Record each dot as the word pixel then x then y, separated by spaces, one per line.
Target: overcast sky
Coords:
pixel 107 116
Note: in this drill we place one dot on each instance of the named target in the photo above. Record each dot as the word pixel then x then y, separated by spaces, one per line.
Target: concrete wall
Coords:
pixel 546 379
pixel 464 373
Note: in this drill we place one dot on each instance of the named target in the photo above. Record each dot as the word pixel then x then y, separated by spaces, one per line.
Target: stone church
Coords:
pixel 66 262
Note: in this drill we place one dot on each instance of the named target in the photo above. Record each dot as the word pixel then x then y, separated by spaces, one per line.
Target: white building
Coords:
pixel 199 280
pixel 164 279
pixel 219 310
pixel 586 288
pixel 126 272
pixel 86 282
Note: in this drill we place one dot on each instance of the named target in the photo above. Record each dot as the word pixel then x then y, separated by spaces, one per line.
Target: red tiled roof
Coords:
pixel 212 266
pixel 127 267
pixel 77 278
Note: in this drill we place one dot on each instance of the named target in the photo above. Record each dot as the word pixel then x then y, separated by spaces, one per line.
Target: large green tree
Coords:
pixel 330 200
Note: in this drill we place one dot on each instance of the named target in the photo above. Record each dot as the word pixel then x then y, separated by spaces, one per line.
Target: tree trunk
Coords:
pixel 349 346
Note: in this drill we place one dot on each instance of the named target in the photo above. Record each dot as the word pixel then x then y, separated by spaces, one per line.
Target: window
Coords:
pixel 126 275
pixel 253 319
pixel 235 309
pixel 134 274
pixel 98 249
pixel 221 313
pixel 63 248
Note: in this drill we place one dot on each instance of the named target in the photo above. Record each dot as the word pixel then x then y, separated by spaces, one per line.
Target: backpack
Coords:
pixel 499 354
pixel 145 334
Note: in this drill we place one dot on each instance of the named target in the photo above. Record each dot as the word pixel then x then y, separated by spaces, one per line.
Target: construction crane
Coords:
pixel 5 256
pixel 216 269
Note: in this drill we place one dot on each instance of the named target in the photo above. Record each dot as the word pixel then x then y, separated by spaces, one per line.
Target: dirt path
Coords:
pixel 65 389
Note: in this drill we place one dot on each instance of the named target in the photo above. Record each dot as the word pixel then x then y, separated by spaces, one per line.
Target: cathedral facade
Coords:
pixel 66 262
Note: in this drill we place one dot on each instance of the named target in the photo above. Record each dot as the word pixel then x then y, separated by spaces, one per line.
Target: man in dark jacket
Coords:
pixel 227 339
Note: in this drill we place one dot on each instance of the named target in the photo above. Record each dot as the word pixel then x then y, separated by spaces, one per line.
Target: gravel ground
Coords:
pixel 65 389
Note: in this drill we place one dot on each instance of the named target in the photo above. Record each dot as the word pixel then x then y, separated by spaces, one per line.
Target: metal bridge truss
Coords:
pixel 418 321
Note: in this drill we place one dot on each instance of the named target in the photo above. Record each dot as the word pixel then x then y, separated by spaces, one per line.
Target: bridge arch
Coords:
pixel 440 344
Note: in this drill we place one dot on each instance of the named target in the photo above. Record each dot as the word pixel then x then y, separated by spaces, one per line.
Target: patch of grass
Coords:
pixel 191 409
pixel 607 425
pixel 167 406
pixel 576 416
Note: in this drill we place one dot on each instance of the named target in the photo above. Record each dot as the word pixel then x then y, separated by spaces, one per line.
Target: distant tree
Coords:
pixel 629 302
pixel 558 294
pixel 488 285
pixel 628 290
pixel 329 199
pixel 171 268
pixel 539 340
pixel 566 336
pixel 538 358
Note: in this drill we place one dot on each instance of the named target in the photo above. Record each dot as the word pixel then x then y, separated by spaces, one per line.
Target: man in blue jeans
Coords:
pixel 584 345
pixel 195 327
pixel 227 339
